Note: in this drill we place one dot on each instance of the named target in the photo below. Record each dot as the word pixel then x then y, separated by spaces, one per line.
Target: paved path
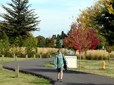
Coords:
pixel 70 78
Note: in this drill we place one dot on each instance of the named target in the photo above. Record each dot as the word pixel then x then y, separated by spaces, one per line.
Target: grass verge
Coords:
pixel 92 66
pixel 9 59
pixel 8 77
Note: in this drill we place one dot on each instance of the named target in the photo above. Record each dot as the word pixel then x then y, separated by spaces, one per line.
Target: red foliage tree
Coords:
pixel 81 38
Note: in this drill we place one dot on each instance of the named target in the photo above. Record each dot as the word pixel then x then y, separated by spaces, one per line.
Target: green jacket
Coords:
pixel 59 60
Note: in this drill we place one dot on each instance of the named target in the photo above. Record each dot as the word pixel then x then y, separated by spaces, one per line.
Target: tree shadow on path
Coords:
pixel 54 70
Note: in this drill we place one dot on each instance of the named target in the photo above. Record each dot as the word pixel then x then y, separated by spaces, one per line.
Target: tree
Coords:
pixel 48 42
pixel 4 44
pixel 19 20
pixel 87 18
pixel 62 35
pixel 58 44
pixel 81 39
pixel 100 17
pixel 52 42
pixel 54 36
pixel 31 46
pixel 41 41
pixel 109 49
pixel 106 20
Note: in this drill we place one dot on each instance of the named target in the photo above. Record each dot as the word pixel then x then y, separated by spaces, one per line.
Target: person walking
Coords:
pixel 58 61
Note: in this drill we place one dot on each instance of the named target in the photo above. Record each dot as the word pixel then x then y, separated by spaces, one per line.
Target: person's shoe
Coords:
pixel 57 79
pixel 61 80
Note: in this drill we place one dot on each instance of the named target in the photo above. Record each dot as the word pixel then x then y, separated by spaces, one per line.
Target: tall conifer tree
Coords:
pixel 19 20
pixel 58 44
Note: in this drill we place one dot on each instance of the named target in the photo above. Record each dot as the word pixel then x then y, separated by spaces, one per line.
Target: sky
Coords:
pixel 55 15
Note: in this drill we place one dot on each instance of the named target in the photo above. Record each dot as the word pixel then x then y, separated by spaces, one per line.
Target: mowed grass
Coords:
pixel 8 77
pixel 11 59
pixel 92 66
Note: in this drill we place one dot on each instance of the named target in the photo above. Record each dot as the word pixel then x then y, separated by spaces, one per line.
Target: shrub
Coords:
pixel 45 55
pixel 95 58
pixel 82 57
pixel 21 55
pixel 4 44
pixel 37 56
pixel 105 58
pixel 100 58
pixel 111 55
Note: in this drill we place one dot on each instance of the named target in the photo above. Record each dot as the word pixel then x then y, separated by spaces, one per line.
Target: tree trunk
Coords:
pixel 108 57
pixel 85 54
pixel 80 61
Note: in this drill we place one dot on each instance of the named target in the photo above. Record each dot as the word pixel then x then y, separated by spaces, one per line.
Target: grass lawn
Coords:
pixel 92 66
pixel 9 59
pixel 8 77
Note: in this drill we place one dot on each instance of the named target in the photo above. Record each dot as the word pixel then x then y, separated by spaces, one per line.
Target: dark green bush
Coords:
pixel 37 55
pixel 95 58
pixel 104 58
pixel 100 58
pixel 53 54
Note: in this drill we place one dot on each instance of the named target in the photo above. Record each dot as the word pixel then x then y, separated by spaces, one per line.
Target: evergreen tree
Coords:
pixel 58 44
pixel 19 20
pixel 106 21
pixel 21 41
pixel 62 35
pixel 54 36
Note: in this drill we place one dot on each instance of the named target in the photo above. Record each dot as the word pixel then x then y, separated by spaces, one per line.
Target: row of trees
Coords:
pixel 61 36
pixel 48 42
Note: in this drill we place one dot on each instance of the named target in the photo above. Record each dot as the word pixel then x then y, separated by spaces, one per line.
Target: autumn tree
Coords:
pixel 81 39
pixel 41 41
pixel 52 42
pixel 48 42
pixel 87 18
